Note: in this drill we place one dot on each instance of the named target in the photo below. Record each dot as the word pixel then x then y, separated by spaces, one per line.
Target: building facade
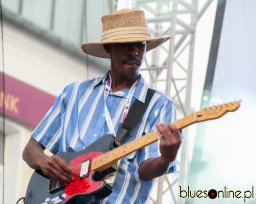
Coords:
pixel 38 60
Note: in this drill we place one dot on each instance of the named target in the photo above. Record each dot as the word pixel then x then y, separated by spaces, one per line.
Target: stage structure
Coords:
pixel 170 69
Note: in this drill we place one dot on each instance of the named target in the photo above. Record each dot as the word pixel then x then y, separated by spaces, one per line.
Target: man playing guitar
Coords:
pixel 87 110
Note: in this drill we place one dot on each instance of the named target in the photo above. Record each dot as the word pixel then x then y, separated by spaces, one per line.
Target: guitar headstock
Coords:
pixel 217 111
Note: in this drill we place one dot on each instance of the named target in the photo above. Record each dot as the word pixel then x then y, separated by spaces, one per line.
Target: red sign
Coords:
pixel 23 102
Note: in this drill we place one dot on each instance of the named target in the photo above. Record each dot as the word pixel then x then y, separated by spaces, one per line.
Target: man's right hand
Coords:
pixel 56 168
pixel 52 166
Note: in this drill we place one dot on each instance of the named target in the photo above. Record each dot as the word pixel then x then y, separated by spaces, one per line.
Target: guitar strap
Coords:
pixel 125 129
pixel 135 113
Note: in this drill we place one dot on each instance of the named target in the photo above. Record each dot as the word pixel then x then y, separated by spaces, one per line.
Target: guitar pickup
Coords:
pixel 84 170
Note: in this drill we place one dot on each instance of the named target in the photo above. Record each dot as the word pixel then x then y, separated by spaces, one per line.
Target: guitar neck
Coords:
pixel 107 159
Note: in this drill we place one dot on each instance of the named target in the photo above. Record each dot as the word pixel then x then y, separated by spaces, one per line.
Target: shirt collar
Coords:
pixel 140 91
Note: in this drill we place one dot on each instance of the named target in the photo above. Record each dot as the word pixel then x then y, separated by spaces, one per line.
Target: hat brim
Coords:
pixel 97 49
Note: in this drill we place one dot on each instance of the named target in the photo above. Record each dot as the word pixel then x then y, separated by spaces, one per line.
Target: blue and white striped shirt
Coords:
pixel 76 120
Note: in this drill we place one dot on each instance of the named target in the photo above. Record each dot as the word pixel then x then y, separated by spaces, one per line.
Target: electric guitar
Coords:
pixel 90 166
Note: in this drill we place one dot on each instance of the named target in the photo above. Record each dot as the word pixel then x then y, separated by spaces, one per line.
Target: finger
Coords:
pixel 53 169
pixel 160 132
pixel 177 133
pixel 62 163
pixel 61 166
pixel 161 129
pixel 55 174
pixel 166 131
pixel 173 128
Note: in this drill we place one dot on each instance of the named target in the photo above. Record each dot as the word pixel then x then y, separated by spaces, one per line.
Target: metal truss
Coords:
pixel 169 69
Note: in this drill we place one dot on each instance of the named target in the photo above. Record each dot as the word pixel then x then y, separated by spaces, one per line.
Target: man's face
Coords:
pixel 126 59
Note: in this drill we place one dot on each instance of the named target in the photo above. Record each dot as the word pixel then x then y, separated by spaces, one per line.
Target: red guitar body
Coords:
pixel 82 186
pixel 87 183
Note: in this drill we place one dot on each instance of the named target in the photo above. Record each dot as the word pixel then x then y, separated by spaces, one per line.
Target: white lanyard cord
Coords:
pixel 126 108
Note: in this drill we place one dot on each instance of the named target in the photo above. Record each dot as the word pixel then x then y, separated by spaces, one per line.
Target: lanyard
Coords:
pixel 126 108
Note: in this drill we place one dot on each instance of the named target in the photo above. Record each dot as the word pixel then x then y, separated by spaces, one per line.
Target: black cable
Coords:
pixel 22 198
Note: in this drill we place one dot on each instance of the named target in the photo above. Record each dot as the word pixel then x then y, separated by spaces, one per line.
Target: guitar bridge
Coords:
pixel 84 170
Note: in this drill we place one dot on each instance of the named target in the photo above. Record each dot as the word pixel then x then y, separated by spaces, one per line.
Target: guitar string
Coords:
pixel 159 136
pixel 78 165
pixel 105 154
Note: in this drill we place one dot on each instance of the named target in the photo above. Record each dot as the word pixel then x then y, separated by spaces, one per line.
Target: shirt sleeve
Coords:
pixel 49 130
pixel 166 114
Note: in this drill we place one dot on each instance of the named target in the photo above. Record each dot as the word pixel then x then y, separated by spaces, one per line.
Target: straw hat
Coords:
pixel 123 26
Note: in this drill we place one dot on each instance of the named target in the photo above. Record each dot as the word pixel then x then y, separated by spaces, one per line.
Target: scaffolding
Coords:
pixel 169 69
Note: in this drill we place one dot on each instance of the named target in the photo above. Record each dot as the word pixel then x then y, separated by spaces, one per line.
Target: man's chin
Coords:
pixel 131 76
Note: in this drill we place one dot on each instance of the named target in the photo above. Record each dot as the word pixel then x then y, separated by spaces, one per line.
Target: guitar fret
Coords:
pixel 184 122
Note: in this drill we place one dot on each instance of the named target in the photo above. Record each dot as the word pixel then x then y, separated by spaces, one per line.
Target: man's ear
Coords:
pixel 107 48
